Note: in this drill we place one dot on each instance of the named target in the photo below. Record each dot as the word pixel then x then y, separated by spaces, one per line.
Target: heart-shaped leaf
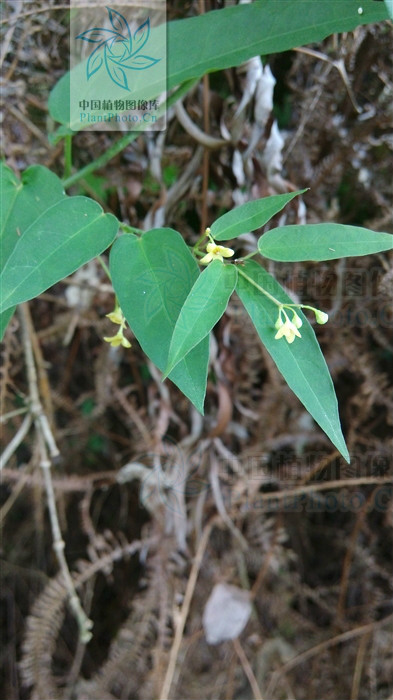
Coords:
pixel 152 276
pixel 60 240
pixel 22 202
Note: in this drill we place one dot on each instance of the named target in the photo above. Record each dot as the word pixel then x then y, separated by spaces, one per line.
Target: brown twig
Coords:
pixel 327 644
pixel 47 442
pixel 357 674
pixel 349 555
pixel 166 687
pixel 247 669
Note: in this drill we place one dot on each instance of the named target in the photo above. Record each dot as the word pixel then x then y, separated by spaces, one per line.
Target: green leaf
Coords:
pixel 152 277
pixel 321 242
pixel 5 318
pixel 203 307
pixel 225 38
pixel 58 242
pixel 389 8
pixel 301 363
pixel 22 201
pixel 249 216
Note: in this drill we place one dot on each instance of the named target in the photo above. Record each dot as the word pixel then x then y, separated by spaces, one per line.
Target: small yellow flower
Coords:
pixel 216 252
pixel 117 317
pixel 118 339
pixel 288 329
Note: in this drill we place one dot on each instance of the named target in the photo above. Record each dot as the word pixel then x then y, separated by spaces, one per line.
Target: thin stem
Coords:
pixel 171 667
pixel 124 141
pixel 198 243
pixel 104 266
pixel 12 414
pixel 247 669
pixel 16 441
pixel 45 438
pixel 130 229
pixel 67 155
pixel 102 160
pixel 305 306
pixel 261 289
pixel 247 257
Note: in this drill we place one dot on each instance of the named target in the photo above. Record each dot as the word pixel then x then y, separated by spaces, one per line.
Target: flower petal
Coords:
pixel 281 331
pixel 226 252
pixel 116 316
pixel 114 340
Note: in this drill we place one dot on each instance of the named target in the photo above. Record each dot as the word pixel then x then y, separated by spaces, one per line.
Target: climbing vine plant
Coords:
pixel 172 295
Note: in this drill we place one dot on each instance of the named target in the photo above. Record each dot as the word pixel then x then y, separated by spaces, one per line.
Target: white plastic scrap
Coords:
pixel 226 613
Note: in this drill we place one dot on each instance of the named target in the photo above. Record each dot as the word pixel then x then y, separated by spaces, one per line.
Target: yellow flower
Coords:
pixel 117 317
pixel 288 329
pixel 118 339
pixel 216 252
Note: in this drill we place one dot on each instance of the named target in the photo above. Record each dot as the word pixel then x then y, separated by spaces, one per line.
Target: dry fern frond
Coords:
pixel 137 654
pixel 129 660
pixel 42 629
pixel 44 623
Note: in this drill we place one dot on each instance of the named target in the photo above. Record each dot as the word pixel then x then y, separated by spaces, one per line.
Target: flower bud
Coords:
pixel 320 316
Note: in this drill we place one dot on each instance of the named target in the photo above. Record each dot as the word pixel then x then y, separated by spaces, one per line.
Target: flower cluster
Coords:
pixel 117 317
pixel 289 329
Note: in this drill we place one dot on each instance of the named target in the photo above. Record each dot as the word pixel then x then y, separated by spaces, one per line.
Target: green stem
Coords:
pixel 67 155
pixel 257 286
pixel 247 257
pixel 102 160
pixel 104 266
pixel 306 306
pixel 198 243
pixel 130 229
pixel 124 141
